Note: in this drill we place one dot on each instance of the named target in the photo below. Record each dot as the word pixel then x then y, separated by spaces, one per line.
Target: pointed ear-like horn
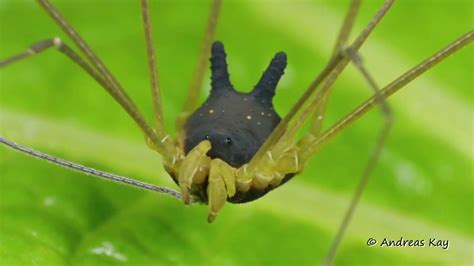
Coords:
pixel 265 88
pixel 219 74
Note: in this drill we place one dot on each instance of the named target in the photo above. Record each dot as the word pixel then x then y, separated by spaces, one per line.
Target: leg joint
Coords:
pixel 43 45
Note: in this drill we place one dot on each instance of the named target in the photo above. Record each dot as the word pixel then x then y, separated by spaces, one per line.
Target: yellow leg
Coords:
pixel 221 186
pixel 265 171
pixel 271 169
pixel 194 169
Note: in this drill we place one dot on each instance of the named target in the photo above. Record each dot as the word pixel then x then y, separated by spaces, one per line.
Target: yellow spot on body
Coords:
pixel 211 111
pixel 262 113
pixel 245 99
pixel 258 123
pixel 249 117
pixel 269 114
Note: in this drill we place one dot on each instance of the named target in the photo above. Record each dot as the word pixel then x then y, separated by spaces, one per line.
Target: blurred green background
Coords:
pixel 421 189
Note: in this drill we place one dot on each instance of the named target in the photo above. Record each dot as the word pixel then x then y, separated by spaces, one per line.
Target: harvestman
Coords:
pixel 215 179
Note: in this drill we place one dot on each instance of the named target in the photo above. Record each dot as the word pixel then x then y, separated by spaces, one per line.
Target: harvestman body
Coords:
pixel 223 151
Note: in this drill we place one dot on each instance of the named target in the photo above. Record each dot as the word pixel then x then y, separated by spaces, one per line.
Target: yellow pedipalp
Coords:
pixel 194 169
pixel 288 163
pixel 216 191
pixel 283 159
pixel 243 179
pixel 221 186
pixel 228 175
pixel 264 171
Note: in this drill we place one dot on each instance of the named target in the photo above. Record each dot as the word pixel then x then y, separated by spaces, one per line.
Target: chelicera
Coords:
pixel 235 147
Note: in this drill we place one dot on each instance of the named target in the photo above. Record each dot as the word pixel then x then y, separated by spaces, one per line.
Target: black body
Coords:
pixel 235 123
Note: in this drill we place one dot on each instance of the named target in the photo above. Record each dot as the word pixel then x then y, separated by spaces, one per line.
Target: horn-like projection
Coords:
pixel 219 74
pixel 265 88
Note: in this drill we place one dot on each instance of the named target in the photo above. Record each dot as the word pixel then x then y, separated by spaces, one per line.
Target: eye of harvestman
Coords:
pixel 228 141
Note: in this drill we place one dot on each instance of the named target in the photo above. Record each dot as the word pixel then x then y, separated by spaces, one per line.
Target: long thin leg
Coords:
pixel 61 47
pixel 346 27
pixel 82 45
pixel 153 69
pixel 341 41
pixel 116 90
pixel 384 93
pixel 381 138
pixel 319 118
pixel 326 87
pixel 195 87
pixel 378 98
pixel 89 171
pixel 332 71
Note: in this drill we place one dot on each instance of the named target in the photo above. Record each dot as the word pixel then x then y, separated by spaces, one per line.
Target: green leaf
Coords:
pixel 421 189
